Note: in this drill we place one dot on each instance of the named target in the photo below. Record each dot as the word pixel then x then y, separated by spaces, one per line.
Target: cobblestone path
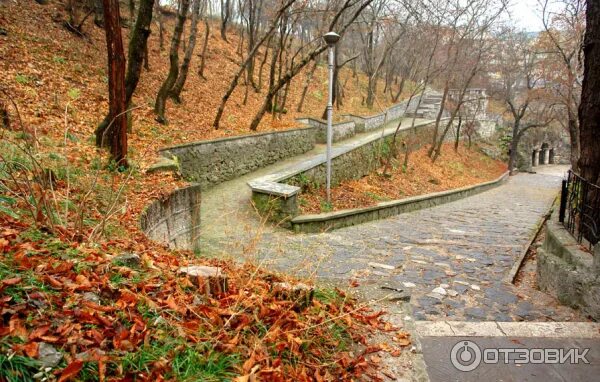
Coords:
pixel 452 259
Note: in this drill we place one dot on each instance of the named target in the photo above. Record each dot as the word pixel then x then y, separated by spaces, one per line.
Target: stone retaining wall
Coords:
pixel 341 130
pixel 339 219
pixel 209 163
pixel 362 160
pixel 567 272
pixel 396 111
pixel 174 221
pixel 366 123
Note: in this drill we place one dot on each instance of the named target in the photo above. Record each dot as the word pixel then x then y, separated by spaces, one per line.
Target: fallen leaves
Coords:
pixel 102 312
pixel 452 170
pixel 71 371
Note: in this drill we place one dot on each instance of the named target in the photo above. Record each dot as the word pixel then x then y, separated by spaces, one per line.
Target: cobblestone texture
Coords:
pixel 463 250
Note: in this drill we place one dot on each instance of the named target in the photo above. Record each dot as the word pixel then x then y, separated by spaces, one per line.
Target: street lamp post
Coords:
pixel 331 38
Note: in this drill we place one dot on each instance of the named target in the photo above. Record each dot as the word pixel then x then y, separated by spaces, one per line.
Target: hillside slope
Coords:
pixel 59 79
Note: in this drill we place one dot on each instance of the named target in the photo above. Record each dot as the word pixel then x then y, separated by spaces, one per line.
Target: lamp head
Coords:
pixel 331 38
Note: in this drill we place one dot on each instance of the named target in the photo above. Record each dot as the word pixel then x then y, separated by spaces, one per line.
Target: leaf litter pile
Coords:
pixel 121 312
pixel 452 170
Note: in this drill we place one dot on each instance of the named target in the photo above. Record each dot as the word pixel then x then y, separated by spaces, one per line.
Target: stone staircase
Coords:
pixel 429 105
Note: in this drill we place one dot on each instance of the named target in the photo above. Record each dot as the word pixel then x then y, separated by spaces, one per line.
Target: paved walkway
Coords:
pixel 227 215
pixel 452 259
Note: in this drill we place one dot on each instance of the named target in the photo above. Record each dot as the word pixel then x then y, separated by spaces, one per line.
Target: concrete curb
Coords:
pixel 512 274
pixel 419 366
pixel 588 330
pixel 345 218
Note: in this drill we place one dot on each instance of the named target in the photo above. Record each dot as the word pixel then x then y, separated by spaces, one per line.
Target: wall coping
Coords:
pixel 272 188
pixel 558 235
pixel 322 121
pixel 332 216
pixel 232 138
pixel 384 113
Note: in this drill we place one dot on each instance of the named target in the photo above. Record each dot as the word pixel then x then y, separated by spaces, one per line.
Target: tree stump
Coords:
pixel 209 280
pixel 300 294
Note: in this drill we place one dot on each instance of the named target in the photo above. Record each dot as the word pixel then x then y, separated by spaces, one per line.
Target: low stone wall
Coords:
pixel 215 161
pixel 396 111
pixel 366 123
pixel 339 219
pixel 361 160
pixel 351 161
pixel 567 272
pixel 174 221
pixel 341 130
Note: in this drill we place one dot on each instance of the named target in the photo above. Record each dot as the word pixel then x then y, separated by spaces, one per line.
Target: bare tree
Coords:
pixel 161 98
pixel 138 45
pixel 175 92
pixel 355 8
pixel 520 90
pixel 225 15
pixel 242 68
pixel 117 134
pixel 562 41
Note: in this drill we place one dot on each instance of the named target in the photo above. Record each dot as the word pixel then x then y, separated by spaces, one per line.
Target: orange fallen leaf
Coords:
pixel 12 281
pixel 71 371
pixel 31 349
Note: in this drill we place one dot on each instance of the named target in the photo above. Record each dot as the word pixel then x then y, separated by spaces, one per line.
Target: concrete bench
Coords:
pixel 277 201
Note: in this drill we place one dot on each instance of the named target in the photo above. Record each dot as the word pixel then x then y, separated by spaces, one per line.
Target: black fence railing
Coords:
pixel 580 209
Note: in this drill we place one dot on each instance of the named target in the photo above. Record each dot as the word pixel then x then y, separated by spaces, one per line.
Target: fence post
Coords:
pixel 563 201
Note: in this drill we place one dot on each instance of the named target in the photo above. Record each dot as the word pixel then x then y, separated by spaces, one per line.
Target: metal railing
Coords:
pixel 580 209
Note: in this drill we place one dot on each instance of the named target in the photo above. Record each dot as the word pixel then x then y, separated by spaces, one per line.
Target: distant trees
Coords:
pixel 521 90
pixel 348 11
pixel 560 44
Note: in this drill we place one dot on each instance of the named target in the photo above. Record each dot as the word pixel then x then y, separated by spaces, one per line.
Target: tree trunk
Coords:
pixel 309 77
pixel 589 109
pixel 161 98
pixel 187 58
pixel 131 12
pixel 98 13
pixel 204 48
pixel 514 148
pixel 138 46
pixel 161 26
pixel 135 58
pixel 225 11
pixel 117 134
pixel 400 90
pixel 438 118
pixel 371 89
pixel 457 140
pixel 574 139
pixel 262 64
